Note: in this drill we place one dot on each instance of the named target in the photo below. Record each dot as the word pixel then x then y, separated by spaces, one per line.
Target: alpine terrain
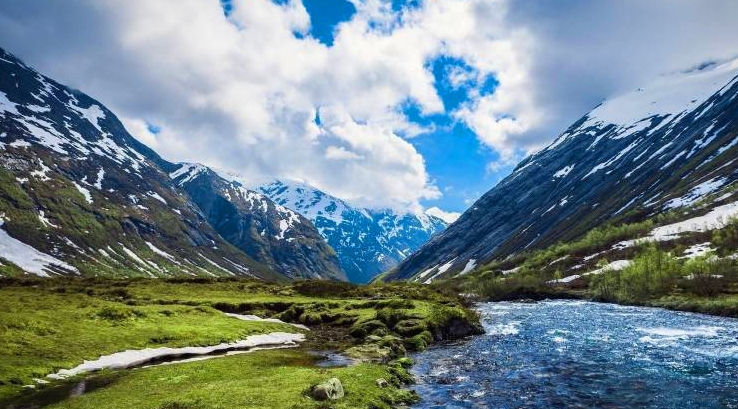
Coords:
pixel 276 236
pixel 80 196
pixel 661 150
pixel 367 241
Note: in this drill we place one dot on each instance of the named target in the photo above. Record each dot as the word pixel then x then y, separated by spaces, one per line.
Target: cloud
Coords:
pixel 254 93
pixel 448 217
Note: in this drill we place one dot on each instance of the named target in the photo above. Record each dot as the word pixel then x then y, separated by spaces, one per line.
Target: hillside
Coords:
pixel 271 234
pixel 662 147
pixel 80 196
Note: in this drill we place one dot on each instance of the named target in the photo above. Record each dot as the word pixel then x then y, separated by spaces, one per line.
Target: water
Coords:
pixel 574 354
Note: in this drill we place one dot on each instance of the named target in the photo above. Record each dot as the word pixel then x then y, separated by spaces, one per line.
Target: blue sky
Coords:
pixel 455 159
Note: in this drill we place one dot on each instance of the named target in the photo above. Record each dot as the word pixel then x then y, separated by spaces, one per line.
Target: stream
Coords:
pixel 575 354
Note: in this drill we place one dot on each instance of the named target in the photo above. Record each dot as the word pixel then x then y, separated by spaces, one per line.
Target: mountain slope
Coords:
pixel 367 241
pixel 79 195
pixel 273 235
pixel 661 147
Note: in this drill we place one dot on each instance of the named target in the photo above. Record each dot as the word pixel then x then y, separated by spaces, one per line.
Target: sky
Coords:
pixel 409 104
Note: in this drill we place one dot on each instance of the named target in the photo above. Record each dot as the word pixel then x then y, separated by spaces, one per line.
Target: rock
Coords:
pixel 457 328
pixel 381 382
pixel 370 352
pixel 372 339
pixel 332 389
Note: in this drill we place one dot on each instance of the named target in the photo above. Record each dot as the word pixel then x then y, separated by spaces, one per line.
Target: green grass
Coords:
pixel 42 331
pixel 723 304
pixel 52 324
pixel 263 379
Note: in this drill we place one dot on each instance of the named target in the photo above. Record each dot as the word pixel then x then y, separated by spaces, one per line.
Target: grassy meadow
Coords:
pixel 48 325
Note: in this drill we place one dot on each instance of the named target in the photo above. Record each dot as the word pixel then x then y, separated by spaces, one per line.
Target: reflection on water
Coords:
pixel 574 354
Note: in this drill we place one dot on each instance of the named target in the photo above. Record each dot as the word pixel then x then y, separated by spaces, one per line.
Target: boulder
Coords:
pixel 332 389
pixel 381 382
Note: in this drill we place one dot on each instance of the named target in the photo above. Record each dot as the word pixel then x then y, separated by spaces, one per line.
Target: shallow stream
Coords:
pixel 574 354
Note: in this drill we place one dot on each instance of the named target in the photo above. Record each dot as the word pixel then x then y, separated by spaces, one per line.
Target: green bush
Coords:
pixel 652 273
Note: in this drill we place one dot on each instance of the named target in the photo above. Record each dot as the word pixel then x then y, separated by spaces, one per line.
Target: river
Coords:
pixel 575 354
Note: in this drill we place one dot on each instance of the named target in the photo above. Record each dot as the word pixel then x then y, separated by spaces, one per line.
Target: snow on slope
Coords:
pixel 28 258
pixel 668 95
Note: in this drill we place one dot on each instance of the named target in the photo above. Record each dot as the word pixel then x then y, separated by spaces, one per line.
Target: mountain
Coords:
pixel 271 234
pixel 80 196
pixel 662 147
pixel 368 242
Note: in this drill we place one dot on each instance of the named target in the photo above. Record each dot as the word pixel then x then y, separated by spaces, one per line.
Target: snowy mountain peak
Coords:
pixel 660 104
pixel 669 95
pixel 367 241
pixel 310 202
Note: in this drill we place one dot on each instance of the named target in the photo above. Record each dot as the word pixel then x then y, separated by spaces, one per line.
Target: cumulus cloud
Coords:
pixel 254 93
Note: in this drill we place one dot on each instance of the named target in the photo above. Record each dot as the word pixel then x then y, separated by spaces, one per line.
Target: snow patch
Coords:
pixel 698 250
pixel 85 192
pixel 28 258
pixel 157 197
pixel 161 253
pixel 132 358
pixel 563 172
pixel 470 265
pixel 98 181
pixel 256 318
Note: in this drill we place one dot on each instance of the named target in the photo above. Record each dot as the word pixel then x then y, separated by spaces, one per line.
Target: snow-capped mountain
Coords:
pixel 271 234
pixel 368 242
pixel 79 195
pixel 663 146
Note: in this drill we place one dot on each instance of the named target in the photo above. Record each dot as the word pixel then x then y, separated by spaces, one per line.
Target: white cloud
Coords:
pixel 448 217
pixel 242 93
pixel 340 153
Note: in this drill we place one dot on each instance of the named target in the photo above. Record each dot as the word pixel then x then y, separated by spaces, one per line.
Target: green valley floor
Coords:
pixel 52 325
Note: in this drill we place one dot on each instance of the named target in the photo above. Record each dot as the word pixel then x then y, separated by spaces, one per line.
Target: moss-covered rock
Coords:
pixel 419 342
pixel 370 352
pixel 371 327
pixel 332 389
pixel 409 328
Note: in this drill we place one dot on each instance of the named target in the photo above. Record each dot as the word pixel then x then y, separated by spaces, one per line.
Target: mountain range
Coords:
pixel 367 241
pixel 80 196
pixel 662 147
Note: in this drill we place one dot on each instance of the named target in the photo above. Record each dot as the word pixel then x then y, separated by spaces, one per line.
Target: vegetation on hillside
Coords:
pixel 659 273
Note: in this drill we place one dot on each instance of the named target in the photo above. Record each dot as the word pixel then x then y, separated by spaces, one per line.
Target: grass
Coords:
pixel 52 324
pixel 42 331
pixel 263 379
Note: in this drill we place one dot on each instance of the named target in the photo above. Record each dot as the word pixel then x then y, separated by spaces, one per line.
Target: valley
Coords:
pixel 275 238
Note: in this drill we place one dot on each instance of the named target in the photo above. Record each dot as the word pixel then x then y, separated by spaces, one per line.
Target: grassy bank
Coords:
pixel 693 271
pixel 655 277
pixel 48 325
